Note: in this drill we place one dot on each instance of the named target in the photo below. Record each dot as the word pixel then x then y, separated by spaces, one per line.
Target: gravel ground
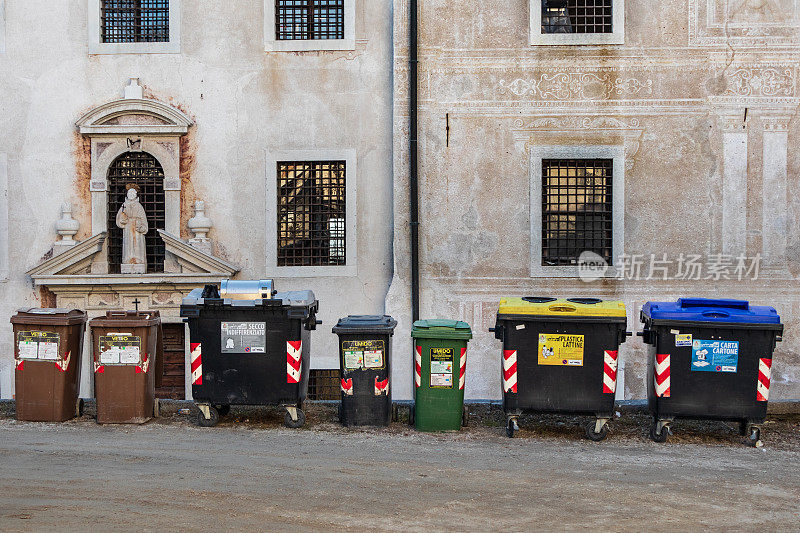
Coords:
pixel 250 473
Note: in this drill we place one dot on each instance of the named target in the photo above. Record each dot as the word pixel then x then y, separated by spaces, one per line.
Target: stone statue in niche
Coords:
pixel 132 219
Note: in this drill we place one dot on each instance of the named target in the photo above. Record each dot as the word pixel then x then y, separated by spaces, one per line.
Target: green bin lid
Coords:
pixel 441 329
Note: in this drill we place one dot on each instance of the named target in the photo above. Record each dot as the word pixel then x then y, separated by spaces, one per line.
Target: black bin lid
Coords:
pixel 355 324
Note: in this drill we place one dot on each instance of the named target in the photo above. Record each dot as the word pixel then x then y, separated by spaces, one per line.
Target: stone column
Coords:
pixel 775 171
pixel 734 182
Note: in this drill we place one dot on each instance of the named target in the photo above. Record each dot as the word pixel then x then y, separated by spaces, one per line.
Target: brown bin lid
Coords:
pixel 131 319
pixel 48 316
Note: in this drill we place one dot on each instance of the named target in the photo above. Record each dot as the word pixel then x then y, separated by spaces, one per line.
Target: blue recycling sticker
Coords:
pixel 715 356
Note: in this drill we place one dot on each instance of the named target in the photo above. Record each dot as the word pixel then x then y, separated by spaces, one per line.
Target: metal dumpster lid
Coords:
pixel 365 324
pixel 566 307
pixel 711 310
pixel 288 298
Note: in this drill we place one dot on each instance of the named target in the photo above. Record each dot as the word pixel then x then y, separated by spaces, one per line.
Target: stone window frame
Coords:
pixel 537 38
pixel 537 154
pixel 4 218
pixel 271 44
pixel 350 268
pixel 96 46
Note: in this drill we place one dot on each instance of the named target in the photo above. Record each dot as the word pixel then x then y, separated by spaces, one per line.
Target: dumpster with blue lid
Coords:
pixel 709 359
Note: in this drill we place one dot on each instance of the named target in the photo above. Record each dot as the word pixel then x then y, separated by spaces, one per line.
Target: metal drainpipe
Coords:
pixel 413 175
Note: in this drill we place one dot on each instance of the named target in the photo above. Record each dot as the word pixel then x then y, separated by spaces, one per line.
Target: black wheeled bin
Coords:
pixel 709 359
pixel 365 349
pixel 560 356
pixel 249 345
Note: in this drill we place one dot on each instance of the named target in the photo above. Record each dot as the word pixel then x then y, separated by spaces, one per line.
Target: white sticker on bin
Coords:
pixel 520 326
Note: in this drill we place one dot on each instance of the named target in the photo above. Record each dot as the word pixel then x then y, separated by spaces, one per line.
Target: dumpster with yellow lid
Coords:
pixel 560 356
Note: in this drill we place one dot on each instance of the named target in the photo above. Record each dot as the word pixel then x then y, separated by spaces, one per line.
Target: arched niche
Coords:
pixel 130 125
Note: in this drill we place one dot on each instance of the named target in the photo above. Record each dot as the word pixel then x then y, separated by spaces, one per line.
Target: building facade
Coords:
pixel 261 110
pixel 270 139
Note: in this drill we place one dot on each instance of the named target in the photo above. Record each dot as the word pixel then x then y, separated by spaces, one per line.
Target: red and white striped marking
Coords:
pixel 418 366
pixel 19 364
pixel 347 386
pixel 462 376
pixel 509 371
pixel 610 372
pixel 63 364
pixel 144 366
pixel 381 387
pixel 662 375
pixel 294 360
pixel 764 376
pixel 197 363
pixel 98 368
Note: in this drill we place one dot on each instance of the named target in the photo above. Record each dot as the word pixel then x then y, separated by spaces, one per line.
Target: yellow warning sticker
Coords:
pixel 560 350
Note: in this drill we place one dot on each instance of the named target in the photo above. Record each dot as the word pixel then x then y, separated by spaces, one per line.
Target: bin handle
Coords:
pixel 562 308
pixel 716 314
pixel 684 303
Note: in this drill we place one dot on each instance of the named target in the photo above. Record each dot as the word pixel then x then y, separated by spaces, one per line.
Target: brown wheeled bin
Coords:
pixel 128 355
pixel 48 344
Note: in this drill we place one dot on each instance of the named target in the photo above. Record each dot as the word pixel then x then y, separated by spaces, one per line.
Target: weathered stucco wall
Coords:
pixel 244 102
pixel 703 100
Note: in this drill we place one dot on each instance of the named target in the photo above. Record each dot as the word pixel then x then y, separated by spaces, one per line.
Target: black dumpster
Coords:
pixel 709 359
pixel 249 346
pixel 560 356
pixel 365 348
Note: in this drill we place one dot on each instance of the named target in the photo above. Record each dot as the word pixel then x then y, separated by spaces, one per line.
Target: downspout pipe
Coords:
pixel 413 162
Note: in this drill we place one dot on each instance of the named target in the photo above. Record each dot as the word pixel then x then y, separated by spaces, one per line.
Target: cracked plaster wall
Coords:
pixel 698 87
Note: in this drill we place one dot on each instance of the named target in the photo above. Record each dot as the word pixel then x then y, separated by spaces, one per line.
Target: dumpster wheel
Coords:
pixel 79 407
pixel 655 434
pixel 213 416
pixel 754 439
pixel 411 415
pixel 465 417
pixel 296 421
pixel 592 433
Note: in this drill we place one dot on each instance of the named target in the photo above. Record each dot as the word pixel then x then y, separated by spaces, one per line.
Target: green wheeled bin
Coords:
pixel 440 364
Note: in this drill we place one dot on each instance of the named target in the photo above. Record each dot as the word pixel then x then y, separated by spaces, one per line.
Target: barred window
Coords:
pixel 309 19
pixel 577 16
pixel 134 21
pixel 311 213
pixel 143 172
pixel 576 209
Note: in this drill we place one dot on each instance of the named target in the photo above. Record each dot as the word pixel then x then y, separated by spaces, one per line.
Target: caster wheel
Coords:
pixel 658 437
pixel 465 417
pixel 157 408
pixel 289 422
pixel 411 415
pixel 79 407
pixel 223 410
pixel 208 422
pixel 754 439
pixel 510 428
pixel 594 436
pixel 395 415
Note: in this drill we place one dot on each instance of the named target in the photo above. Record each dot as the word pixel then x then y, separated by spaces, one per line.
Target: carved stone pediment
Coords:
pixel 73 267
pixel 131 116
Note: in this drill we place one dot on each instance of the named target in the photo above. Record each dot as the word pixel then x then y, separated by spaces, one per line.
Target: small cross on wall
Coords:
pixel 136 302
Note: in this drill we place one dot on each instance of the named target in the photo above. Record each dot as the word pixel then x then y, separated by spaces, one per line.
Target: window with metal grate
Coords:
pixel 134 21
pixel 323 384
pixel 311 213
pixel 309 19
pixel 576 209
pixel 577 16
pixel 143 172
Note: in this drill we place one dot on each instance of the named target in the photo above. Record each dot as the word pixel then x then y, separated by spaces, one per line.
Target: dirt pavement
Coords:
pixel 249 473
